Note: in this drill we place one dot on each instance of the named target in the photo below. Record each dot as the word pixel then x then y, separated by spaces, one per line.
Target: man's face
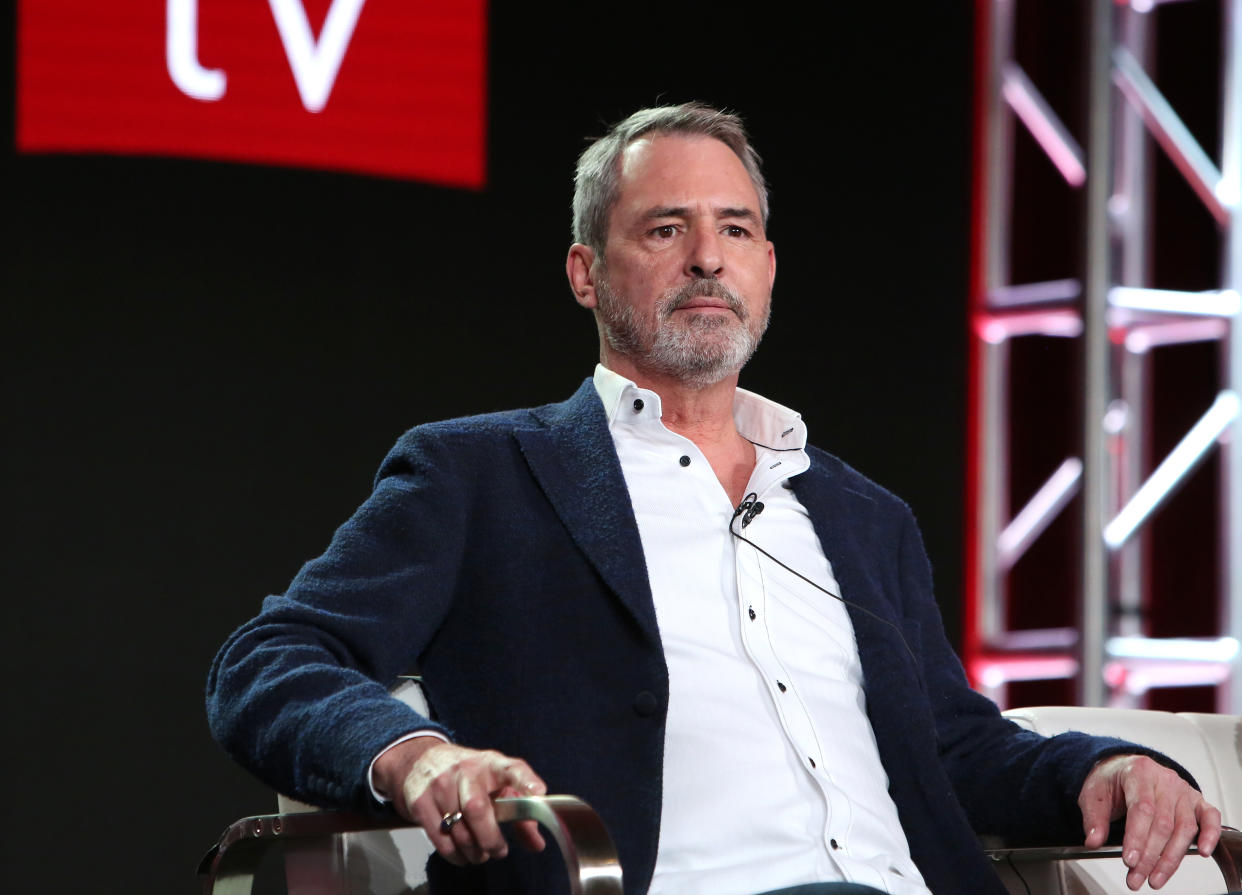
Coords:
pixel 685 282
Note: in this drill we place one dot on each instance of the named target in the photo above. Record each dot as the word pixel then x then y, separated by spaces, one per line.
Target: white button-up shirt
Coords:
pixel 772 776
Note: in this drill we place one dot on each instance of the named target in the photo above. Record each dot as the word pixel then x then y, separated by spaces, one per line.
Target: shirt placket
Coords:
pixel 795 720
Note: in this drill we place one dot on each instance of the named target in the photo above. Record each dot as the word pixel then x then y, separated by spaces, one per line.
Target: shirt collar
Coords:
pixel 758 419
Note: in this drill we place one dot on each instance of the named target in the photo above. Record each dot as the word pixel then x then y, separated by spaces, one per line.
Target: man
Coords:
pixel 657 595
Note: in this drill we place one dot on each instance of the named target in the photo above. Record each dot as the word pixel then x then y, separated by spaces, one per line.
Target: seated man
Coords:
pixel 661 598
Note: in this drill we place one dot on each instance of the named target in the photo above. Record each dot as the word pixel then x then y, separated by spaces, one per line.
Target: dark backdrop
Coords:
pixel 204 363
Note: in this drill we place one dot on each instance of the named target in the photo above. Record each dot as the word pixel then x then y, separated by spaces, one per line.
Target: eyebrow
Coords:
pixel 681 211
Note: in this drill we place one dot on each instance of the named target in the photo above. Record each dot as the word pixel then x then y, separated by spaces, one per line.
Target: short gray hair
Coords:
pixel 599 169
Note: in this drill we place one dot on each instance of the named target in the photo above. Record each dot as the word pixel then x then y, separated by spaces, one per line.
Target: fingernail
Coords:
pixel 1157 879
pixel 1131 858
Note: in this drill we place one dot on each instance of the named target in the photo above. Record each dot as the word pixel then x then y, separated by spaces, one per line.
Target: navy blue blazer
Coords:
pixel 499 554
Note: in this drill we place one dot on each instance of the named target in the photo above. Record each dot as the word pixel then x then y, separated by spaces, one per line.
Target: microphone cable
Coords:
pixel 750 507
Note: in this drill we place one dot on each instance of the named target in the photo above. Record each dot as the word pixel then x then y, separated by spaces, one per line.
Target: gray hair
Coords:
pixel 598 173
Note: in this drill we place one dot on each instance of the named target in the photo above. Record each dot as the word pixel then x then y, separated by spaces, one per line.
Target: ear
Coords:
pixel 578 269
pixel 771 264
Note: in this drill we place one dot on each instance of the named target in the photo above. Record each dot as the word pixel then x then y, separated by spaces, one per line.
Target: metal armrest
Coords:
pixel 1228 855
pixel 588 850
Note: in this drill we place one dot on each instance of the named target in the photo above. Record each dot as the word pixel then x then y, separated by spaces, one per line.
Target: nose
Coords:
pixel 704 258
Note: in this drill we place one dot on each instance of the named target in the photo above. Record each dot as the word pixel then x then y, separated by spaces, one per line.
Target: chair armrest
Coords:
pixel 1228 854
pixel 584 841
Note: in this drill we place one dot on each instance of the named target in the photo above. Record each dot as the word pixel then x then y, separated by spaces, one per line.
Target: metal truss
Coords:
pixel 1116 317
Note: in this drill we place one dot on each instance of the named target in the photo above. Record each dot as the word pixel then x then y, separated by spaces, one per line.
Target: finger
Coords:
pixel 1174 849
pixel 443 798
pixel 480 816
pixel 467 846
pixel 506 777
pixel 1209 827
pixel 1140 812
pixel 528 835
pixel 525 831
pixel 428 816
pixel 517 774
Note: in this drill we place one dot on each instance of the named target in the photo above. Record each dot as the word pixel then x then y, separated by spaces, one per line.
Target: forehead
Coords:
pixel 678 170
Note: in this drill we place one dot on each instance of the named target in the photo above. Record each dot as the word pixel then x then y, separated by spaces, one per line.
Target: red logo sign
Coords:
pixel 388 87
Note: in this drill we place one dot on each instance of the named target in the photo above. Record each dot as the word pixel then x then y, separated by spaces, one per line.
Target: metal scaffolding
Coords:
pixel 1116 316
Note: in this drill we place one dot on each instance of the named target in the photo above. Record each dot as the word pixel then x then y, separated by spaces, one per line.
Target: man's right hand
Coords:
pixel 429 780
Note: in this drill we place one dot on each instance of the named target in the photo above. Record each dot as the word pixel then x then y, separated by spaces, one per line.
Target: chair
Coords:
pixel 1206 745
pixel 345 854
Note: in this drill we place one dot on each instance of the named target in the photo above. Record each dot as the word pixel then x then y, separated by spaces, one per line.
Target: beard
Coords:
pixel 698 351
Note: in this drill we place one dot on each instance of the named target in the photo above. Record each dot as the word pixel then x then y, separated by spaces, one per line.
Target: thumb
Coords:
pixel 1096 806
pixel 1103 798
pixel 1095 828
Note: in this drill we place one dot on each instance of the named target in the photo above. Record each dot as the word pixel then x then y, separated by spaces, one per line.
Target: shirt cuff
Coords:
pixel 384 800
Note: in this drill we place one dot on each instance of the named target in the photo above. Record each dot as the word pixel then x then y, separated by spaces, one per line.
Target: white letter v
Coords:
pixel 314 64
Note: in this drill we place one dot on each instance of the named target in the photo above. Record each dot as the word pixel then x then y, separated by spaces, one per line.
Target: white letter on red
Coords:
pixel 181 54
pixel 315 65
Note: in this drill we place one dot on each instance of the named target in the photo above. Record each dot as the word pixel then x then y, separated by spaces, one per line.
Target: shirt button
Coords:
pixel 638 405
pixel 780 686
pixel 811 760
pixel 684 461
pixel 750 610
pixel 833 843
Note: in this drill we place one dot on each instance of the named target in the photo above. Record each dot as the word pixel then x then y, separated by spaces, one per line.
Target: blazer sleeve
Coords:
pixel 1011 782
pixel 299 694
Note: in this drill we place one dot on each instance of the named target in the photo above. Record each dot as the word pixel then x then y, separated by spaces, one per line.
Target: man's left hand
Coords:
pixel 1163 815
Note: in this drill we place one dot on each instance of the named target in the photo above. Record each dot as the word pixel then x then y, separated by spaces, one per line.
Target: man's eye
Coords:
pixel 733 230
pixel 665 232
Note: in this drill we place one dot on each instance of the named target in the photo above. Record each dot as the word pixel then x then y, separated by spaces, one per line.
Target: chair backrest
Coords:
pixel 1223 736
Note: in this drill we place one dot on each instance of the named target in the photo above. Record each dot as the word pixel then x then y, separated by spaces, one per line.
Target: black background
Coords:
pixel 204 363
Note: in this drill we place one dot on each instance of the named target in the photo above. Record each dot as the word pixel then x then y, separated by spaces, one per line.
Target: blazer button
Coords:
pixel 646 704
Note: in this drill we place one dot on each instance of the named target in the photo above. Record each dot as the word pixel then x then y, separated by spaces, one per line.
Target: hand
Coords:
pixel 1162 811
pixel 432 779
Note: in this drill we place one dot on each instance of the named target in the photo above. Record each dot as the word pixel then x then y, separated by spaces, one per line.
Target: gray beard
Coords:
pixel 700 351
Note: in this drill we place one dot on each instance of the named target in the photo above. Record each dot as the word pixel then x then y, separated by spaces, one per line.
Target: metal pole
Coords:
pixel 1000 150
pixel 1130 205
pixel 992 389
pixel 1093 611
pixel 994 495
pixel 1133 386
pixel 1230 194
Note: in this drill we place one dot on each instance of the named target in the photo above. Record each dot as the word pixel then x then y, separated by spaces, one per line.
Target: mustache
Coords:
pixel 706 288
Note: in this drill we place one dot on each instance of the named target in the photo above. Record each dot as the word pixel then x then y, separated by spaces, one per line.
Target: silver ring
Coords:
pixel 449 820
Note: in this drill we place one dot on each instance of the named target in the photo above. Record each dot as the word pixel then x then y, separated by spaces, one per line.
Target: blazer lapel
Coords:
pixel 575 462
pixel 840 518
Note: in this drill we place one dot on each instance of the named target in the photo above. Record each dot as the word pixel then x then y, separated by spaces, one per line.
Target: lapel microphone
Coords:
pixel 749 508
